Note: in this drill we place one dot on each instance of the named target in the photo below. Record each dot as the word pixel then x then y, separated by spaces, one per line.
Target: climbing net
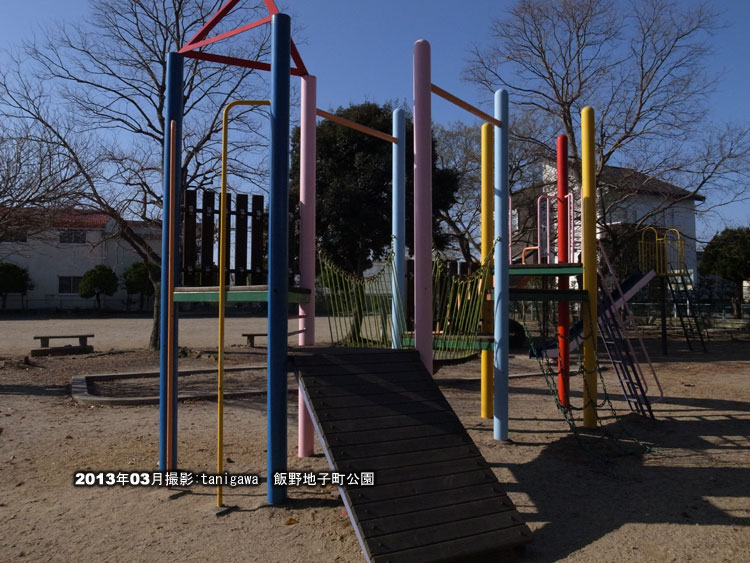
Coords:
pixel 612 440
pixel 362 310
pixel 457 306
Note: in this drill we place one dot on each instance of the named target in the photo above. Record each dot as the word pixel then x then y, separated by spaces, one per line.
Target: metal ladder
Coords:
pixel 621 355
pixel 683 297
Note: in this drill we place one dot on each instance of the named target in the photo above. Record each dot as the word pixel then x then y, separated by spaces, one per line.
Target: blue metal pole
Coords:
pixel 173 112
pixel 278 250
pixel 398 214
pixel 502 259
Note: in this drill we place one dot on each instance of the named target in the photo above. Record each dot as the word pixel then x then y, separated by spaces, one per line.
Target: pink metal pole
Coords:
pixel 423 203
pixel 306 439
pixel 563 307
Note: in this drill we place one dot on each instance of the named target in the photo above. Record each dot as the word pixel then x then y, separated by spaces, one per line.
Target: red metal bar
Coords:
pixel 197 44
pixel 210 24
pixel 563 307
pixel 235 61
pixel 271 7
pixel 297 58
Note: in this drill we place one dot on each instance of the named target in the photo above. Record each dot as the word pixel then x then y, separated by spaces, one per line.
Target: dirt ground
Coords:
pixel 586 499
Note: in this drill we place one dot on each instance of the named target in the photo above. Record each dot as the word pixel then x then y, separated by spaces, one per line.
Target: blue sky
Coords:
pixel 362 51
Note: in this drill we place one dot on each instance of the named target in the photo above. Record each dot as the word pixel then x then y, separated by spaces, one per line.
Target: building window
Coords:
pixel 68 284
pixel 514 224
pixel 14 236
pixel 73 236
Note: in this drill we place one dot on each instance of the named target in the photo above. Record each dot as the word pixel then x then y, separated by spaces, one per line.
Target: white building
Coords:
pixel 627 198
pixel 57 258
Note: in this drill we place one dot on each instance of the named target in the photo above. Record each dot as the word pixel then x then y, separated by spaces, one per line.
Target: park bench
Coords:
pixel 251 336
pixel 46 350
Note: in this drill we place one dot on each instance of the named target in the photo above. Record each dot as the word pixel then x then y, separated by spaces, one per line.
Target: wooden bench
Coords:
pixel 46 350
pixel 251 336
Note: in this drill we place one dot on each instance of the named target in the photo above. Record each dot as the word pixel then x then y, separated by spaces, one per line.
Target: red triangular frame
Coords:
pixel 201 39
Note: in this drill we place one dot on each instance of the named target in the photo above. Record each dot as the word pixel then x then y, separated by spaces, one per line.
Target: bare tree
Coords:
pixel 643 66
pixel 458 147
pixel 35 178
pixel 97 89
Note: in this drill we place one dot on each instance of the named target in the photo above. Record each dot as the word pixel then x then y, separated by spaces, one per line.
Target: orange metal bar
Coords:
pixel 356 126
pixel 465 105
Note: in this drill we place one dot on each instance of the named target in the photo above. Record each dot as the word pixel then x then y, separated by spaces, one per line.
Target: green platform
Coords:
pixel 564 269
pixel 523 294
pixel 236 294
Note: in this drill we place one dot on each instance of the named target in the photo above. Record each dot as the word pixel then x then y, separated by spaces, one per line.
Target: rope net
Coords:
pixel 457 306
pixel 361 310
pixel 613 439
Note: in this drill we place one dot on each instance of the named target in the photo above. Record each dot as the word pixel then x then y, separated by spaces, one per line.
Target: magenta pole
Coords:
pixel 423 203
pixel 563 307
pixel 306 440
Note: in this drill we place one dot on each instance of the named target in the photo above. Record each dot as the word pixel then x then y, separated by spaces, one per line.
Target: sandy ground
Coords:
pixel 119 333
pixel 688 500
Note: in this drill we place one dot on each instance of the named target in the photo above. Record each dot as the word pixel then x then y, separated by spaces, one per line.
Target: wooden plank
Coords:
pixel 421 486
pixel 377 411
pixel 405 432
pixel 386 422
pixel 458 529
pixel 396 447
pixel 409 460
pixel 413 503
pixel 436 516
pixel 461 549
pixel 432 486
pixel 385 371
pixel 384 400
pixel 390 476
pixel 361 389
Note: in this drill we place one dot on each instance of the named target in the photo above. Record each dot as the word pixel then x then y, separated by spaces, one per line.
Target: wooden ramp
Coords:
pixel 435 498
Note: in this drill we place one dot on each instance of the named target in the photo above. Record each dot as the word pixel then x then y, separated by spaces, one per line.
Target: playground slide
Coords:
pixel 434 497
pixel 632 285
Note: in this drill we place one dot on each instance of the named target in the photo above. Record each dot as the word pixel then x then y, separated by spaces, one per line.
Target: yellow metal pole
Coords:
pixel 588 227
pixel 222 289
pixel 488 231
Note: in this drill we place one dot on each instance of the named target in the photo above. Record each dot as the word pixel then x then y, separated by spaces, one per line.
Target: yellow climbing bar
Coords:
pixel 223 285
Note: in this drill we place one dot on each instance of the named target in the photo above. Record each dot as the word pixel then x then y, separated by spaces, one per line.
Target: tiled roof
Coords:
pixel 637 182
pixel 79 219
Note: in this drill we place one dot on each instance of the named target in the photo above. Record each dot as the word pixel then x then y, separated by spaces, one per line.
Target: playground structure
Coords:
pixel 278 294
pixel 665 254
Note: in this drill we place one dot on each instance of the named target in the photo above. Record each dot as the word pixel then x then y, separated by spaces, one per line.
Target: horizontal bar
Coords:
pixel 356 126
pixel 295 296
pixel 466 105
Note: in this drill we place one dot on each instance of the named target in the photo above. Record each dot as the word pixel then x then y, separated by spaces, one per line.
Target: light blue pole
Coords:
pixel 278 251
pixel 172 112
pixel 398 214
pixel 502 301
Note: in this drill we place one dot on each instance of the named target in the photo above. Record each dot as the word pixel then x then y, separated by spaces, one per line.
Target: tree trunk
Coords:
pixel 737 301
pixel 154 341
